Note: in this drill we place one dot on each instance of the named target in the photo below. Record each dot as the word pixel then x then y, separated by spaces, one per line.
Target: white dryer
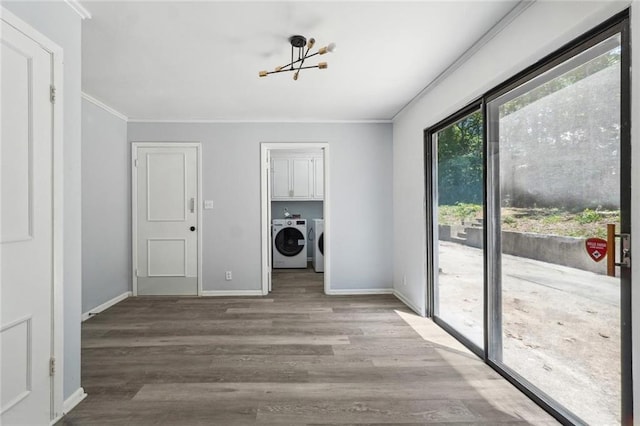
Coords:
pixel 317 239
pixel 289 243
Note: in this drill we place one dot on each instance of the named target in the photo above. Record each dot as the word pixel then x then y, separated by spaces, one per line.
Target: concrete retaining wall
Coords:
pixel 566 251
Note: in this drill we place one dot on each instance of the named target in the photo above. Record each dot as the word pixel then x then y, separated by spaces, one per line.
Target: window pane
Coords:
pixel 459 290
pixel 559 168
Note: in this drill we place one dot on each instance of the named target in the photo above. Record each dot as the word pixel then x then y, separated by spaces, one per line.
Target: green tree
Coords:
pixel 460 161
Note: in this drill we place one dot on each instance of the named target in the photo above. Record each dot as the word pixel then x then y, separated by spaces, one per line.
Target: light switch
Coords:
pixel 208 204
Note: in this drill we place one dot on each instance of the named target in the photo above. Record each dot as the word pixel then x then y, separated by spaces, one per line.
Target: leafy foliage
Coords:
pixel 588 216
pixel 460 162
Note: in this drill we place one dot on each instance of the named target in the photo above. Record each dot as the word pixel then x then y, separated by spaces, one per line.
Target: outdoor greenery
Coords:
pixel 585 224
pixel 460 161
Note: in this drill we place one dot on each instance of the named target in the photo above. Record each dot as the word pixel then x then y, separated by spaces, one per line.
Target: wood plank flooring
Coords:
pixel 295 357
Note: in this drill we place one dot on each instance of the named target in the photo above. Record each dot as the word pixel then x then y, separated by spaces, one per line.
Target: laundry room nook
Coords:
pixel 297 209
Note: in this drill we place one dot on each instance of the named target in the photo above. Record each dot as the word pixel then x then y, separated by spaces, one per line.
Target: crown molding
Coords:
pixel 79 9
pixel 104 106
pixel 180 121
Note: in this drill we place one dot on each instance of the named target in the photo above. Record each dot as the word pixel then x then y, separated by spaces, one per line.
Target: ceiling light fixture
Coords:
pixel 299 42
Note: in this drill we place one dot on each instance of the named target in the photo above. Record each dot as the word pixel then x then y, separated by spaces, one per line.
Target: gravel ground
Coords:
pixel 561 328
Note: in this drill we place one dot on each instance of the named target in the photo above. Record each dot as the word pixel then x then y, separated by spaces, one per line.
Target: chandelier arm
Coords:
pixel 290 64
pixel 306 55
pixel 294 69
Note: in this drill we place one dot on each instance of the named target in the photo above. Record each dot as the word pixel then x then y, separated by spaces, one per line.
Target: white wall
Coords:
pixel 62 25
pixel 361 197
pixel 106 214
pixel 538 31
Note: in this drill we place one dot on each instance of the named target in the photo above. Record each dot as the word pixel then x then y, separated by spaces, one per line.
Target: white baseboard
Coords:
pixel 105 305
pixel 75 399
pixel 401 297
pixel 231 293
pixel 359 292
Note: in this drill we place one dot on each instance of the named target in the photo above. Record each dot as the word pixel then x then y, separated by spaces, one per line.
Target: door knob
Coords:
pixel 193 228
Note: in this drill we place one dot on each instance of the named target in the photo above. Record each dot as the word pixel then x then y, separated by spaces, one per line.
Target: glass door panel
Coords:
pixel 458 212
pixel 556 159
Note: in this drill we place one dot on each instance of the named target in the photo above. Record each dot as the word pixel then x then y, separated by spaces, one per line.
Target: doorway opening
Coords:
pixel 295 206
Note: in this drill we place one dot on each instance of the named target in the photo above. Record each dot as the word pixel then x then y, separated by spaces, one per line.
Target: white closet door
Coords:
pixel 26 230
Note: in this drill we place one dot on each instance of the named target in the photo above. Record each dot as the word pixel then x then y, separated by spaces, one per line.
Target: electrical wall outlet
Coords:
pixel 228 276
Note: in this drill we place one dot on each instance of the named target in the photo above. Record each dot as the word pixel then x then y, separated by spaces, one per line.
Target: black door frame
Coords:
pixel 618 24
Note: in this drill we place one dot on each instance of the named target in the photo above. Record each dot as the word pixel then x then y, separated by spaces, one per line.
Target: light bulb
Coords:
pixel 311 42
pixel 331 47
pixel 262 74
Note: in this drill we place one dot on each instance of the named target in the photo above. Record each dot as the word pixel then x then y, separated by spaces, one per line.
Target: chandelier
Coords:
pixel 300 42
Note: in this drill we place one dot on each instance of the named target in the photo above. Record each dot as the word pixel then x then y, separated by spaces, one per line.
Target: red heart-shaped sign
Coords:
pixel 596 248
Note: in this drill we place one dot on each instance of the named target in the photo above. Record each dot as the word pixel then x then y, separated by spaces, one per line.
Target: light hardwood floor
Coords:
pixel 295 357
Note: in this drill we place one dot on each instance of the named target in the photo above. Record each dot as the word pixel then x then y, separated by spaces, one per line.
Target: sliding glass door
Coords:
pixel 556 161
pixel 458 226
pixel 527 216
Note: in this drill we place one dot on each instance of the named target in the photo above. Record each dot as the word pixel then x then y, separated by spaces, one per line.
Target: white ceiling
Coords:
pixel 161 60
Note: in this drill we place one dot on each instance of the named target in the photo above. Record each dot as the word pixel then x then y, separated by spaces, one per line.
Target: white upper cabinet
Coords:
pixel 280 176
pixel 301 178
pixel 297 177
pixel 318 178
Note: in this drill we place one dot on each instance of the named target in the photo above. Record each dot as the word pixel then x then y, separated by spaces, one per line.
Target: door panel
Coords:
pixel 166 187
pixel 459 227
pixel 558 183
pixel 280 174
pixel 167 220
pixel 301 169
pixel 26 230
pixel 167 257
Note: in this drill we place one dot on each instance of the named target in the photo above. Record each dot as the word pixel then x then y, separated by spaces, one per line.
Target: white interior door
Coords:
pixel 26 230
pixel 167 220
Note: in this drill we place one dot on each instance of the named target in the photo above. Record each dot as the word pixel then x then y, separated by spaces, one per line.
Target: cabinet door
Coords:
pixel 301 168
pixel 318 178
pixel 280 178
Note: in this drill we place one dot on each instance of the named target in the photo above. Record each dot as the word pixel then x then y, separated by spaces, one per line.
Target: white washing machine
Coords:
pixel 289 243
pixel 317 239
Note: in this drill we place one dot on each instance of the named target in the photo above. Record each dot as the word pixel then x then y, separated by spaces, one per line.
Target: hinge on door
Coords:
pixel 52 366
pixel 52 94
pixel 135 162
pixel 136 272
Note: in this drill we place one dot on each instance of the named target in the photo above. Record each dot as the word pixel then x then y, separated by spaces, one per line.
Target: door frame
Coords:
pixel 265 207
pixel 57 187
pixel 134 204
